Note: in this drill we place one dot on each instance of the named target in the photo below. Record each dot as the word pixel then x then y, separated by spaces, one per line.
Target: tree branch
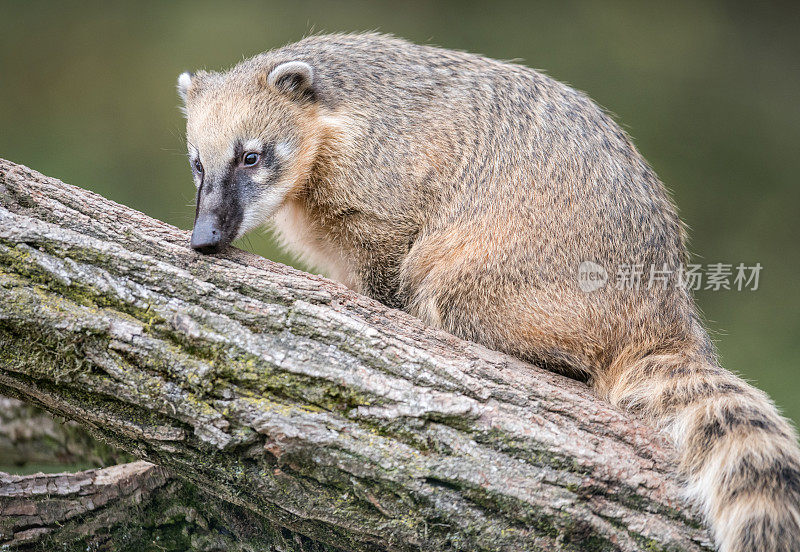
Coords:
pixel 135 507
pixel 306 405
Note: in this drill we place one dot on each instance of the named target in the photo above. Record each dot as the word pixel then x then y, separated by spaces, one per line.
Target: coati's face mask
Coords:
pixel 245 147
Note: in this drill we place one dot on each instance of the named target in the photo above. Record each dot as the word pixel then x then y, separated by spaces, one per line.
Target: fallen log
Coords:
pixel 316 410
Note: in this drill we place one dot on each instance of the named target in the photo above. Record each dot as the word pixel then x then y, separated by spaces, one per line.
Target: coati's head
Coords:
pixel 253 137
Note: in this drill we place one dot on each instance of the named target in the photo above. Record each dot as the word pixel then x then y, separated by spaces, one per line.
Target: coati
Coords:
pixel 468 191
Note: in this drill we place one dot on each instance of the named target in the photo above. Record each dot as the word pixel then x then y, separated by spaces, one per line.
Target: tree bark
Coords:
pixel 136 507
pixel 307 406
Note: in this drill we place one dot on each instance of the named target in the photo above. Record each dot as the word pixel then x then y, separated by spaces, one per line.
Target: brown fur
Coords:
pixel 467 191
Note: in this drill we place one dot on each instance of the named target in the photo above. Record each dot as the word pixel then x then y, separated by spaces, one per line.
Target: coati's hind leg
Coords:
pixel 502 315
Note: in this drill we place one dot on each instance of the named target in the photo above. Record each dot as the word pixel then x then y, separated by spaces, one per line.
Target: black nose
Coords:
pixel 206 236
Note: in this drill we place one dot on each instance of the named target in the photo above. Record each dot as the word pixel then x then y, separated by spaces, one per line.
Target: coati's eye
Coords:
pixel 250 159
pixel 198 166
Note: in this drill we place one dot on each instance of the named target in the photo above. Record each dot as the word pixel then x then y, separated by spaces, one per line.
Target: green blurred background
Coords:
pixel 710 93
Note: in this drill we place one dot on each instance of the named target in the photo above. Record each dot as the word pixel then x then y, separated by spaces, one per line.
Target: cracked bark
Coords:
pixel 135 507
pixel 306 406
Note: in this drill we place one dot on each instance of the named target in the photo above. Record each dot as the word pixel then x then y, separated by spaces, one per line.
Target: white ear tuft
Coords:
pixel 295 77
pixel 184 82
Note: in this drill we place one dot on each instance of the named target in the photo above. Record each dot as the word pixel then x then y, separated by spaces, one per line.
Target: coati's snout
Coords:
pixel 218 216
pixel 207 235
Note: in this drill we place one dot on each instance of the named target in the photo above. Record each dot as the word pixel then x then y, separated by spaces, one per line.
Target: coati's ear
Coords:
pixel 293 77
pixel 184 83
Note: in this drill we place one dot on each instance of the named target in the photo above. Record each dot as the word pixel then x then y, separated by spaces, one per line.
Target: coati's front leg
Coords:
pixel 378 278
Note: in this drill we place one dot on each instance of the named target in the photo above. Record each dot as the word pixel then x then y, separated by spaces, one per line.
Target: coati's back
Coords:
pixel 468 191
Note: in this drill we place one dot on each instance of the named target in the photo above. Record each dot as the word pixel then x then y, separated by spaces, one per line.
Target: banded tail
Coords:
pixel 739 456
